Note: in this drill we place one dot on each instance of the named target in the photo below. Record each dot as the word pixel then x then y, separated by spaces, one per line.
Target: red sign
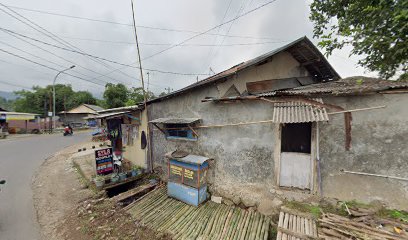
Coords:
pixel 104 161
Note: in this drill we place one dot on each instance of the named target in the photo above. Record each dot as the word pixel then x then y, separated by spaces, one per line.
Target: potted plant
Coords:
pixel 114 178
pixel 99 181
pixel 122 176
pixel 135 170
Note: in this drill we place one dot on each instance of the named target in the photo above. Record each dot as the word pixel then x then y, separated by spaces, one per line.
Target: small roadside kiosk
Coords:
pixel 187 177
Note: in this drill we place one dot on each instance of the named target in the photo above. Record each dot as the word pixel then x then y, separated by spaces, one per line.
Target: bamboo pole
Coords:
pixel 244 215
pixel 234 220
pixel 211 221
pixel 235 223
pixel 357 110
pixel 375 175
pixel 224 231
pixel 246 225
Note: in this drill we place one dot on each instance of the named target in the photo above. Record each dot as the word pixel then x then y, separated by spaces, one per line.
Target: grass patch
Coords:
pixel 316 211
pixel 83 179
pixel 303 207
pixel 394 214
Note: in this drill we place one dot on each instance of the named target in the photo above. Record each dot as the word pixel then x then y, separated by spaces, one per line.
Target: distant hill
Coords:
pixel 8 95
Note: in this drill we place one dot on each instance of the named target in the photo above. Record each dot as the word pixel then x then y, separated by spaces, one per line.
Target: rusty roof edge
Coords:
pixel 307 40
pixel 241 66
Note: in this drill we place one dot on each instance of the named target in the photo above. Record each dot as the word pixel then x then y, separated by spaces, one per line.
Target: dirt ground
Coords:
pixel 57 191
pixel 67 209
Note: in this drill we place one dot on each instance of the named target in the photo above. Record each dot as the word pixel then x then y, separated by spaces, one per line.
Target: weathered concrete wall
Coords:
pixel 282 65
pixel 134 152
pixel 379 146
pixel 242 154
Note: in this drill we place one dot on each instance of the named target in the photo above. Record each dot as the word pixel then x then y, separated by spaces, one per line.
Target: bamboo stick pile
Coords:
pixel 294 225
pixel 337 227
pixel 208 221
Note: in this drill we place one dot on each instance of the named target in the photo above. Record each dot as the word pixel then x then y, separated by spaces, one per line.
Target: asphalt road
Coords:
pixel 19 160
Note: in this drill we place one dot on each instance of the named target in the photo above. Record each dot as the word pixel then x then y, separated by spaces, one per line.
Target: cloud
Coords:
pixel 281 22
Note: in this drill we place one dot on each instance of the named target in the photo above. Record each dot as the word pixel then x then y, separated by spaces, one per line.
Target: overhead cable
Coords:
pixel 199 34
pixel 51 68
pixel 130 25
pixel 47 33
pixel 97 57
pixel 15 85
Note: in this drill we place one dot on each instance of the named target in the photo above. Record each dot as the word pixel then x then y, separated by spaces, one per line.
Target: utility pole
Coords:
pixel 50 122
pixel 65 109
pixel 150 163
pixel 148 80
pixel 45 112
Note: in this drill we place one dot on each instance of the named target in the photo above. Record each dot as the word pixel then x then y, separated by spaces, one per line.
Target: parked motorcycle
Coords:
pixel 68 131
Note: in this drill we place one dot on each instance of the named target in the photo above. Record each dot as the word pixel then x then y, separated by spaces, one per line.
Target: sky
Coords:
pixel 160 25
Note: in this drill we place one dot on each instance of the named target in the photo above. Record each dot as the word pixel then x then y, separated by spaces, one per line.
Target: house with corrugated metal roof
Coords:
pixel 79 116
pixel 285 125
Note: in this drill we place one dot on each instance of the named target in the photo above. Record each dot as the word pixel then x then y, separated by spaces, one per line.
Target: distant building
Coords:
pixel 78 116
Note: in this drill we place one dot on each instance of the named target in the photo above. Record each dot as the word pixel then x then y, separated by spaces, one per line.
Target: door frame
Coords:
pixel 313 163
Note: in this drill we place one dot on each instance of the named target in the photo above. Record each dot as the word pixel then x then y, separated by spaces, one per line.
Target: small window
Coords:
pixel 180 131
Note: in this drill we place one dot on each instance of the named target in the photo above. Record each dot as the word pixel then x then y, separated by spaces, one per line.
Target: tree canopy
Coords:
pixel 115 95
pixel 40 99
pixel 376 29
pixel 136 95
pixel 6 104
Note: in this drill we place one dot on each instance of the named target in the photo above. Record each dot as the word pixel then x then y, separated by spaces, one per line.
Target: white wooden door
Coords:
pixel 295 170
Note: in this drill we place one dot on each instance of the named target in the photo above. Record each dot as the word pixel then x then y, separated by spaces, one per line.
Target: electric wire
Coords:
pixel 97 57
pixel 212 56
pixel 15 85
pixel 199 34
pixel 130 25
pixel 46 60
pixel 56 38
pixel 169 44
pixel 218 30
pixel 51 68
pixel 67 60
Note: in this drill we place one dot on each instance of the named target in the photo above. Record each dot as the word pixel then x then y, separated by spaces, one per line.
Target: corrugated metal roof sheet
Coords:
pixel 347 86
pixel 298 112
pixel 109 115
pixel 176 120
pixel 121 109
pixel 94 107
pixel 302 49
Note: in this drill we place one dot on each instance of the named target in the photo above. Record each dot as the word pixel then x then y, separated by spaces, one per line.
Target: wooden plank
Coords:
pixel 290 226
pixel 272 84
pixel 281 218
pixel 307 226
pixel 299 221
pixel 286 221
pixel 131 193
pixel 295 212
pixel 295 234
pixel 192 130
pixel 279 235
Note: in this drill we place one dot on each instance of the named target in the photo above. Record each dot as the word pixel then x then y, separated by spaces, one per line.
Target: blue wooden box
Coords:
pixel 187 194
pixel 188 179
